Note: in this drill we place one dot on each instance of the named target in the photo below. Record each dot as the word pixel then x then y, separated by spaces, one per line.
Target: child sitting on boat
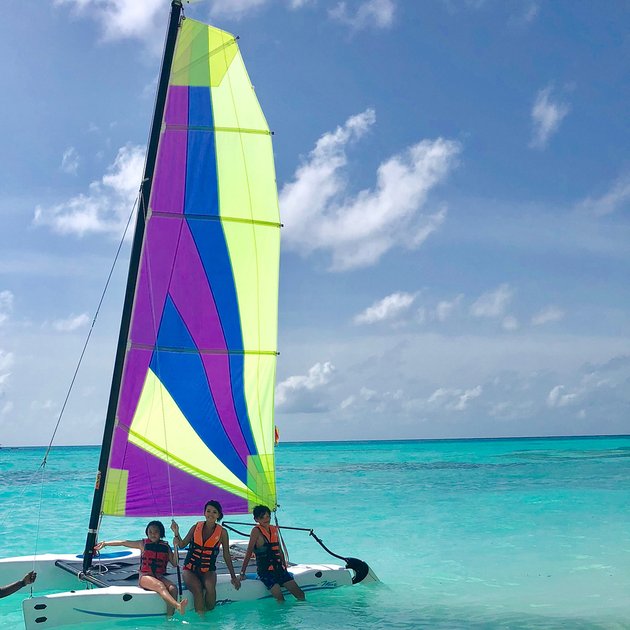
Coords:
pixel 200 571
pixel 156 554
pixel 271 565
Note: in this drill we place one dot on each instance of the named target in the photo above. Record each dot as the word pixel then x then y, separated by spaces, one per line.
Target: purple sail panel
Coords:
pixel 177 105
pixel 169 184
pixel 136 366
pixel 156 266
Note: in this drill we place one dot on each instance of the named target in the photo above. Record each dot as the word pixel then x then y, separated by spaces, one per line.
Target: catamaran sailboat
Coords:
pixel 190 413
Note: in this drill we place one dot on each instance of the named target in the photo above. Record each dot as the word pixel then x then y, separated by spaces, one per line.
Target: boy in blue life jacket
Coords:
pixel 270 562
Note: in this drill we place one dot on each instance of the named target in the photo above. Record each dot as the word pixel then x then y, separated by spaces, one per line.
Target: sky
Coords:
pixel 454 184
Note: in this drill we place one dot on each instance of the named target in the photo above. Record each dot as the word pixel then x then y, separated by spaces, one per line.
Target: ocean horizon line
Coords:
pixel 369 441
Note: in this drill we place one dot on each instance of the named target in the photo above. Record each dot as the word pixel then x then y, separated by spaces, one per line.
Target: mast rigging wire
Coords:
pixel 42 465
pixel 87 339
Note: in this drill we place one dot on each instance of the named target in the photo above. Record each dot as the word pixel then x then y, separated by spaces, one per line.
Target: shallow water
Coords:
pixel 529 533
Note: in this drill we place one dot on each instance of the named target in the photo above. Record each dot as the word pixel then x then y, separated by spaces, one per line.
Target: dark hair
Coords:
pixel 157 524
pixel 260 510
pixel 217 505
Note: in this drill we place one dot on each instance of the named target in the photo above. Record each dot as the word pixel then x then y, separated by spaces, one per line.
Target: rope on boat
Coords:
pixel 360 568
pixel 87 339
pixel 179 572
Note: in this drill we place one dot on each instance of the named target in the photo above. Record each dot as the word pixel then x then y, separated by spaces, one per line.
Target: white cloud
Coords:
pixel 546 315
pixel 368 394
pixel 445 308
pixel 6 363
pixel 70 161
pixel 387 308
pixel 45 405
pixel 376 13
pixel 291 391
pixel 557 399
pixel 493 303
pixel 453 399
pixel 146 20
pixel 413 384
pixel 531 12
pixel 525 13
pixel 237 8
pixel 6 305
pixel 510 323
pixel 346 402
pixel 108 204
pixel 546 117
pixel 6 408
pixel 615 199
pixel 466 396
pixel 372 401
pixel 121 19
pixel 6 360
pixel 72 323
pixel 320 214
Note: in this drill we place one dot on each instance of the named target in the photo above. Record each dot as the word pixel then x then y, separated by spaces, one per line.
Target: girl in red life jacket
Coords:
pixel 204 540
pixel 156 554
pixel 271 564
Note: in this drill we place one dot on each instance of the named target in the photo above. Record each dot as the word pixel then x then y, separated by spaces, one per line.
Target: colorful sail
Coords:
pixel 195 415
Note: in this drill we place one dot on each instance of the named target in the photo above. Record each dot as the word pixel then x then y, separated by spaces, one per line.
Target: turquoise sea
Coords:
pixel 506 533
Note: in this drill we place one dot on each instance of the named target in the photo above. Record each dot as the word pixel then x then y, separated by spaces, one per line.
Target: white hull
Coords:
pixel 84 603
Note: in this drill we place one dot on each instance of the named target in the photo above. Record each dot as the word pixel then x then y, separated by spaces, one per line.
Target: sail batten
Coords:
pixel 212 351
pixel 262 132
pixel 195 413
pixel 204 217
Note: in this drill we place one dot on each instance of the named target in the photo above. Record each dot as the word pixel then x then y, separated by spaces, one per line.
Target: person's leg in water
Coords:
pixel 172 589
pixel 192 581
pixel 295 590
pixel 276 591
pixel 210 584
pixel 150 583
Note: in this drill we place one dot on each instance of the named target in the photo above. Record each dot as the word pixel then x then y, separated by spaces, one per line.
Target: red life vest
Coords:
pixel 268 556
pixel 154 558
pixel 202 554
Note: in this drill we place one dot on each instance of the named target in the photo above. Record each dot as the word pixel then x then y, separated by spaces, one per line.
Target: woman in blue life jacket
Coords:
pixel 154 559
pixel 204 540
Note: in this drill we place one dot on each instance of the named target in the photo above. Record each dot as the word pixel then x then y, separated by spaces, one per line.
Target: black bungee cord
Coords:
pixel 360 568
